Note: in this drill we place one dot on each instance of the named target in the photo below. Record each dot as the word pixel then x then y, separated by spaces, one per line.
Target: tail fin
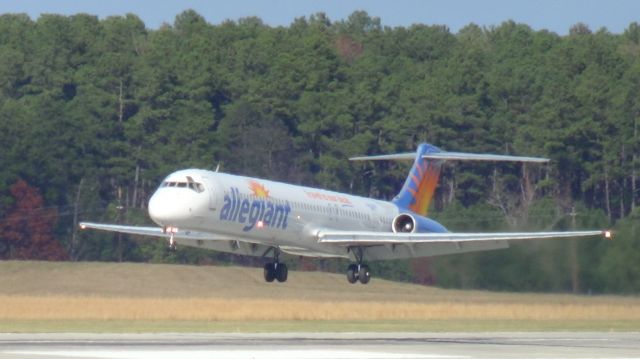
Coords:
pixel 421 183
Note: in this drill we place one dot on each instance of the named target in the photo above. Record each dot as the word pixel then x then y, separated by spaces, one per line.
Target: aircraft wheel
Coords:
pixel 269 272
pixel 282 272
pixel 352 273
pixel 364 275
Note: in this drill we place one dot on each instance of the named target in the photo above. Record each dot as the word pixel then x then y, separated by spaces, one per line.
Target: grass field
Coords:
pixel 45 296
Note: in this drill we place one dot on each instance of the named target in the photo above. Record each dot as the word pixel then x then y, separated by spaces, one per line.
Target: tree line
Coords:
pixel 93 114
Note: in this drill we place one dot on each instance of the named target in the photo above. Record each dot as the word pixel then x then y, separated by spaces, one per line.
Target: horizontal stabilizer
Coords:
pixel 452 156
pixel 396 156
pixel 460 156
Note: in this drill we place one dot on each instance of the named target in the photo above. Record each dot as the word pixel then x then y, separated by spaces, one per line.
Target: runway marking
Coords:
pixel 234 354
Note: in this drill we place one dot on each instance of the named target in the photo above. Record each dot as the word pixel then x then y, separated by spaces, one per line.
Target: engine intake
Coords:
pixel 404 223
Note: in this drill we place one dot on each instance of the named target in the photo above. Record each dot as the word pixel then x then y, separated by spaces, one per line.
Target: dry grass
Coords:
pixel 76 292
pixel 244 309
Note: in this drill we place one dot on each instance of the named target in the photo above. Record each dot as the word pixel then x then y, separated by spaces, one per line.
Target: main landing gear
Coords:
pixel 275 270
pixel 358 271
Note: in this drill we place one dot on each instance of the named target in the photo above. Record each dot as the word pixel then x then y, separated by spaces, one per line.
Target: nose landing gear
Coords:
pixel 172 243
pixel 172 232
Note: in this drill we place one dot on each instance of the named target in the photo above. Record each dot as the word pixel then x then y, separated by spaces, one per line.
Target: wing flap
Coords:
pixel 350 238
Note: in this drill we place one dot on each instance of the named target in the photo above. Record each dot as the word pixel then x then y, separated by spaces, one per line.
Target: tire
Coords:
pixel 352 273
pixel 364 275
pixel 269 272
pixel 281 272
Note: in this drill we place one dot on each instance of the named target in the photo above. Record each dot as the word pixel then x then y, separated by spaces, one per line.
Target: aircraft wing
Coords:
pixel 351 238
pixel 156 232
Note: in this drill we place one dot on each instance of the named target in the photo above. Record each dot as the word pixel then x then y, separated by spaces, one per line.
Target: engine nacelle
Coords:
pixel 404 223
pixel 412 223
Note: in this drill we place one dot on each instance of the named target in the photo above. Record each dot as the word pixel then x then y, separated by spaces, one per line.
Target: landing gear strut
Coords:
pixel 276 270
pixel 358 271
pixel 172 243
pixel 172 232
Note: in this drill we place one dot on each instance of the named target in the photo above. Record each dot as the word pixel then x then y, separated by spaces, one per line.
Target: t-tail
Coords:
pixel 418 189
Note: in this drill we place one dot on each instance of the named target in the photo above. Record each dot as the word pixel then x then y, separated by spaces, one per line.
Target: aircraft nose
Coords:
pixel 171 207
pixel 160 208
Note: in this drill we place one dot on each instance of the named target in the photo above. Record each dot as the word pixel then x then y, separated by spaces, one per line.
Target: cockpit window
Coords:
pixel 195 186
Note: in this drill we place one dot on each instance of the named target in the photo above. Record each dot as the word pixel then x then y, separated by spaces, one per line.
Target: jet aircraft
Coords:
pixel 258 217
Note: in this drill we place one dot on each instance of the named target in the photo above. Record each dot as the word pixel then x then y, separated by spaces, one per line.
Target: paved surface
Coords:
pixel 324 345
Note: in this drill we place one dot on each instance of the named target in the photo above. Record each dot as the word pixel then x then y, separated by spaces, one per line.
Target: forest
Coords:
pixel 95 112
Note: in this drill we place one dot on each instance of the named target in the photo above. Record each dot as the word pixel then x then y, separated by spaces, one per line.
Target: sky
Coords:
pixel 554 15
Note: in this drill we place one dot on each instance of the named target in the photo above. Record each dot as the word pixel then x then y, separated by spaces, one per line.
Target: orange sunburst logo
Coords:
pixel 258 189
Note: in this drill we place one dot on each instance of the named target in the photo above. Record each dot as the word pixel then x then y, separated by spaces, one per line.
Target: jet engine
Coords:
pixel 404 223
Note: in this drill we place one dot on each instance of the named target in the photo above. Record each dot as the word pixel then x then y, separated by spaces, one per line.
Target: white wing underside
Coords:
pixel 206 240
pixel 157 232
pixel 350 238
pixel 384 246
pixel 377 245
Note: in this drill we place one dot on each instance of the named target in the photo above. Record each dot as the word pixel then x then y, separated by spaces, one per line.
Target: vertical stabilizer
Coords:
pixel 418 189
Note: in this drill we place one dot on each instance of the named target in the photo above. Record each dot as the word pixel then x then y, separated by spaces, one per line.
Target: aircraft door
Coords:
pixel 211 186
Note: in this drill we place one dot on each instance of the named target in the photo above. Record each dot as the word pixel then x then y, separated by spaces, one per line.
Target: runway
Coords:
pixel 322 345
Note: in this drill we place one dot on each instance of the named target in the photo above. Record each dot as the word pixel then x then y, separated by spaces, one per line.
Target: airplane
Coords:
pixel 259 217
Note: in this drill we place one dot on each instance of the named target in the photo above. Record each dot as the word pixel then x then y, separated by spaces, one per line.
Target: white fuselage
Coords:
pixel 264 212
pixel 261 218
